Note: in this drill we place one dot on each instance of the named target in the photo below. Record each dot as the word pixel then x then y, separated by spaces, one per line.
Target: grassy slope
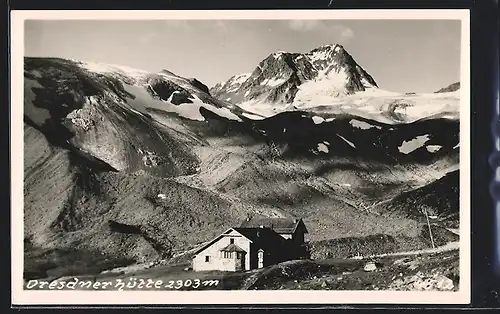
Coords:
pixel 439 198
pixel 393 274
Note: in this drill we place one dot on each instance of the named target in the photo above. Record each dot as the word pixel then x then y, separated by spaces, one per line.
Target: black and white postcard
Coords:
pixel 240 157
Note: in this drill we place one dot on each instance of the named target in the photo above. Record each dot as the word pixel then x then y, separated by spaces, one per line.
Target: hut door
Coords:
pixel 242 261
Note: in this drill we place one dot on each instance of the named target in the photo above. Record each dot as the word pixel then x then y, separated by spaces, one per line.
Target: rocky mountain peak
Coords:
pixel 279 77
pixel 328 48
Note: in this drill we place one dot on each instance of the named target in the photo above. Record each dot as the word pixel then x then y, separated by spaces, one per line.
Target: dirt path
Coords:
pixel 444 248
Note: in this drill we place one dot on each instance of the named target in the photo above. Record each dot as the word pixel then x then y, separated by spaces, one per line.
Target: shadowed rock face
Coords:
pixel 168 91
pixel 199 85
pixel 278 77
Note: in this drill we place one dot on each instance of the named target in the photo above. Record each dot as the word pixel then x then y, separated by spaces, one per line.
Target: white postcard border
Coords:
pixel 30 297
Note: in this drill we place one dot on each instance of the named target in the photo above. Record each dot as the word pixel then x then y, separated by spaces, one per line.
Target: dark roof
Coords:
pixel 279 225
pixel 264 238
pixel 232 248
pixel 258 236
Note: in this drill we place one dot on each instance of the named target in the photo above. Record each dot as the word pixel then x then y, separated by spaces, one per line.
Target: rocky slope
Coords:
pixel 93 155
pixel 450 88
pixel 439 200
pixel 139 166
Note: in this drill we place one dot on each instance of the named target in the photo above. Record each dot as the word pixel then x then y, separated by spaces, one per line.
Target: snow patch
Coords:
pixel 362 125
pixel 345 140
pixel 137 112
pixel 323 148
pixel 325 95
pixel 366 84
pixel 433 148
pixel 273 82
pixel 240 79
pixel 113 68
pixel 252 116
pixel 409 146
pixel 172 96
pixel 323 90
pixel 278 54
pixel 425 109
pixel 261 109
pixel 318 120
pixel 223 112
pixel 189 111
pixel 450 116
pixel 320 55
pixel 456 146
pixel 192 111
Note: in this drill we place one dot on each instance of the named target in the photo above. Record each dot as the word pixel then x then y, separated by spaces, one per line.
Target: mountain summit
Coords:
pixel 285 77
pixel 450 88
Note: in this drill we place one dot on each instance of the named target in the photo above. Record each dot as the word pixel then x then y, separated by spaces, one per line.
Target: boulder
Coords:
pixel 370 266
pixel 444 283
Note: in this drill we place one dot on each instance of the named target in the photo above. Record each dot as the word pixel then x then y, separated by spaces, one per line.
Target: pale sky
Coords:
pixel 401 55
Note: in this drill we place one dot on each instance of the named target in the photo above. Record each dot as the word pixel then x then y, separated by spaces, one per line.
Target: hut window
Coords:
pixel 207 259
pixel 231 241
pixel 260 259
